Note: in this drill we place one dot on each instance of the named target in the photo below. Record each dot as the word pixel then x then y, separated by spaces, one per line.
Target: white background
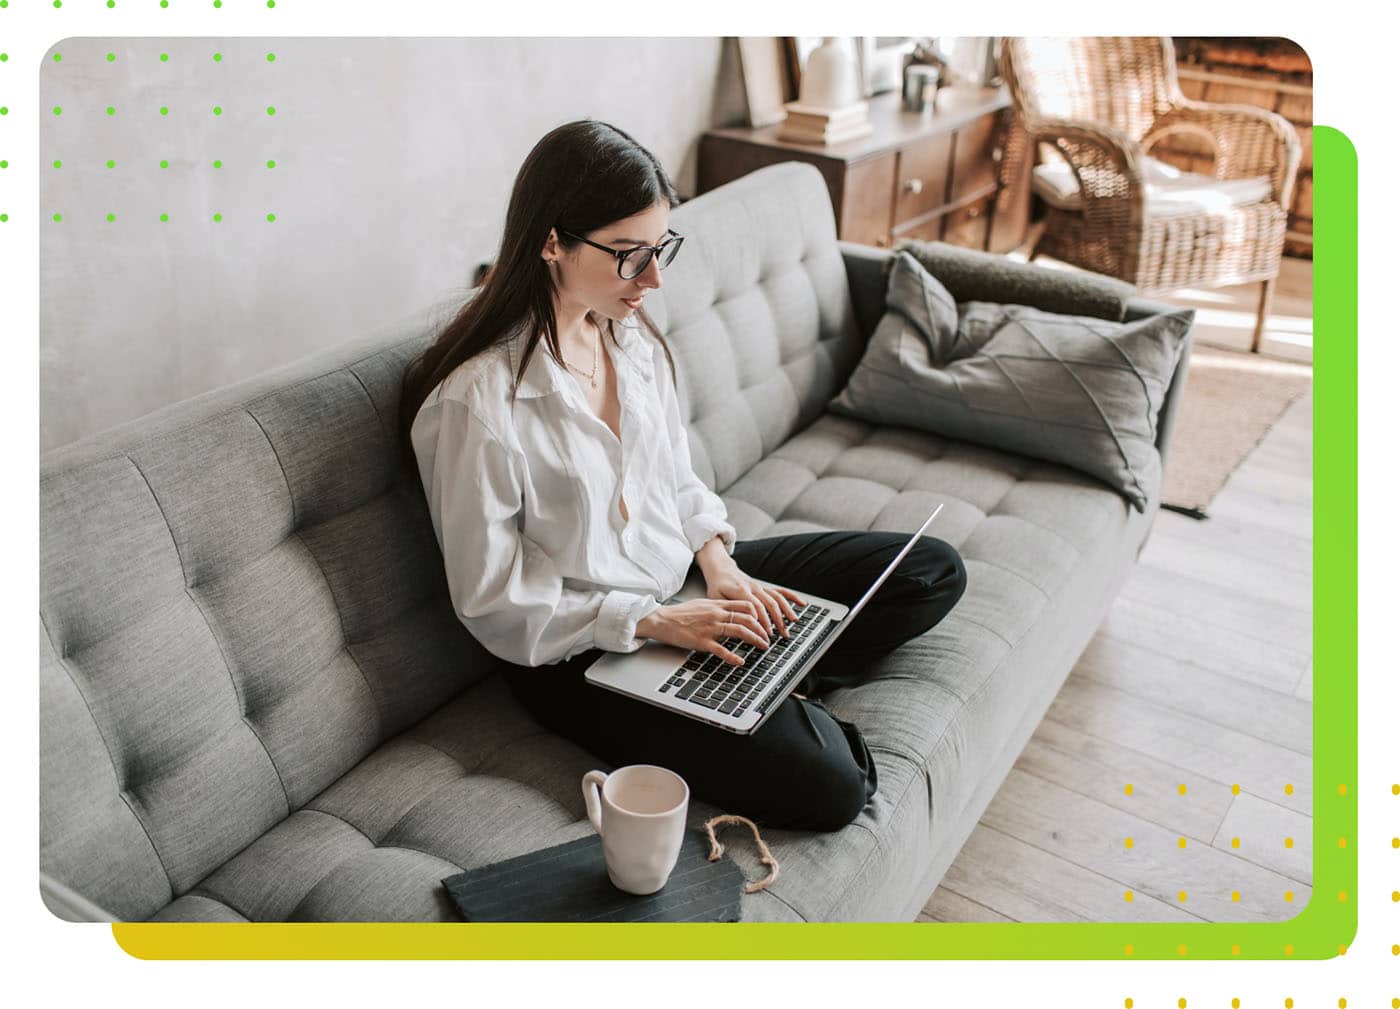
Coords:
pixel 1354 63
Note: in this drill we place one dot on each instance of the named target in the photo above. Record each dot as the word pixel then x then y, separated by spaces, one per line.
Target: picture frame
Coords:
pixel 882 62
pixel 767 85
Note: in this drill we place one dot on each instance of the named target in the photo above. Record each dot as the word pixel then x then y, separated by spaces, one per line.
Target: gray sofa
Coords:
pixel 257 704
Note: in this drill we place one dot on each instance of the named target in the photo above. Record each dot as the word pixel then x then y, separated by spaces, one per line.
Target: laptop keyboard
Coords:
pixel 707 680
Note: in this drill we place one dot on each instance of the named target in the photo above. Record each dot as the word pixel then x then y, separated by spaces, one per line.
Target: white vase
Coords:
pixel 829 79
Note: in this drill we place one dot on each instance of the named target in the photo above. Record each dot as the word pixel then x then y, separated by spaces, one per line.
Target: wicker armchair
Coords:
pixel 1102 103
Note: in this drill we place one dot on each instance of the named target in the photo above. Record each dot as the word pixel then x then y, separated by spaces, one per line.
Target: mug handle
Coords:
pixel 592 785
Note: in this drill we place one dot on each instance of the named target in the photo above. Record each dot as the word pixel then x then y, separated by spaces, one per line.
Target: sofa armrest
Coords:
pixel 68 904
pixel 868 277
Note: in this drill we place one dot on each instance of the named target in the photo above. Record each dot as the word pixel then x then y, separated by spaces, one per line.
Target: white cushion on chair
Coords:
pixel 1169 189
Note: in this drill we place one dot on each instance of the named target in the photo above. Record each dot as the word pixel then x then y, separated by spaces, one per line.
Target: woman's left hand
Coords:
pixel 771 605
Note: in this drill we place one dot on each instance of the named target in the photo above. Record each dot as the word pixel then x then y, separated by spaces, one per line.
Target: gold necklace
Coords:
pixel 592 382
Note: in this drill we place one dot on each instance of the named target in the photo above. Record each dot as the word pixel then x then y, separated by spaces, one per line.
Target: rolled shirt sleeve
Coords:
pixel 505 589
pixel 702 512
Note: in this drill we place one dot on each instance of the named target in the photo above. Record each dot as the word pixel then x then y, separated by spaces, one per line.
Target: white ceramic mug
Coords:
pixel 640 812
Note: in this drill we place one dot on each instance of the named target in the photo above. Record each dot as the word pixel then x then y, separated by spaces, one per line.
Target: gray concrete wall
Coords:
pixel 394 162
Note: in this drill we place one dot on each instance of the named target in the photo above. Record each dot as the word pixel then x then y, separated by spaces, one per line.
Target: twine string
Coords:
pixel 766 856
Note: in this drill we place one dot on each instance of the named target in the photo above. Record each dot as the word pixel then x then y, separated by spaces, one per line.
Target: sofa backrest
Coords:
pixel 240 599
pixel 757 312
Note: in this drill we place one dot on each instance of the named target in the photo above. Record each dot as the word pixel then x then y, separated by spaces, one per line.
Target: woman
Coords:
pixel 546 428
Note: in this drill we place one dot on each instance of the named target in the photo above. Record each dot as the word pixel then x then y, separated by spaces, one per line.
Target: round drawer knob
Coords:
pixel 974 212
pixel 915 185
pixel 882 241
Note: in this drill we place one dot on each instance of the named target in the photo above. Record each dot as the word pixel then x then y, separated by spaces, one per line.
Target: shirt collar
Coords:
pixel 543 374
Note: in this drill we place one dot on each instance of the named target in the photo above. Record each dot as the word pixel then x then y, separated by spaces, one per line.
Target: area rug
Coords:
pixel 1231 401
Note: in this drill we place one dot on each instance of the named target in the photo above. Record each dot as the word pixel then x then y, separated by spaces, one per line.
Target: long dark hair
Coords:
pixel 580 177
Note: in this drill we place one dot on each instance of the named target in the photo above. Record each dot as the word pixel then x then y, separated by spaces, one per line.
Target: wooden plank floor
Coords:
pixel 1200 676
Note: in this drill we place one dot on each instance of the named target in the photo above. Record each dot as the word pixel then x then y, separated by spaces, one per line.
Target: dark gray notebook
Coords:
pixel 569 882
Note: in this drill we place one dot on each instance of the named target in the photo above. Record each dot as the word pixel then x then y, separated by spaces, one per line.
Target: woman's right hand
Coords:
pixel 701 623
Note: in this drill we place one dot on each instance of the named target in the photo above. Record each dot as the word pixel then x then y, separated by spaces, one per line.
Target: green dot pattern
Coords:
pixel 4 57
pixel 165 3
pixel 4 217
pixel 4 164
pixel 4 111
pixel 164 110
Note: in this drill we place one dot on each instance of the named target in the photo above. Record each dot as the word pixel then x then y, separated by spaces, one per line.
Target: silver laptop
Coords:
pixel 738 699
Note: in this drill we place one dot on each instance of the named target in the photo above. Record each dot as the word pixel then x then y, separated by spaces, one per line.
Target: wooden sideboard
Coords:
pixel 955 173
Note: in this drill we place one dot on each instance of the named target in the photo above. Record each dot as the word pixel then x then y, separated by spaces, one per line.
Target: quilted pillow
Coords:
pixel 1069 389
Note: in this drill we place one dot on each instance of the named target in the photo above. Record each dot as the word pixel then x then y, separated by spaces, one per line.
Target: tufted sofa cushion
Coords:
pixel 757 312
pixel 257 704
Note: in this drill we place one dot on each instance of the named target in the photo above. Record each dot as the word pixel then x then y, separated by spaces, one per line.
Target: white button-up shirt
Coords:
pixel 540 563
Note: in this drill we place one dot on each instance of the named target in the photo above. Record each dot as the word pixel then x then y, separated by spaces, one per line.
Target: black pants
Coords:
pixel 804 769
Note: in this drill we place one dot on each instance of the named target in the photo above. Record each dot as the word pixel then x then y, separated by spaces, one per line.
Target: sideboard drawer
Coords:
pixel 967 226
pixel 975 158
pixel 865 212
pixel 921 183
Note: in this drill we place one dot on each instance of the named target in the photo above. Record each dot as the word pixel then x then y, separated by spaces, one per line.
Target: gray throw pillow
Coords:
pixel 1069 389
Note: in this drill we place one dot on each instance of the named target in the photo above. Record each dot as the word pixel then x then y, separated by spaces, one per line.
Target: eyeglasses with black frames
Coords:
pixel 631 262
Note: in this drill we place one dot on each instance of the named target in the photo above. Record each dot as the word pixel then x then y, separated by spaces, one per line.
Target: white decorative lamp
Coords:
pixel 829 108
